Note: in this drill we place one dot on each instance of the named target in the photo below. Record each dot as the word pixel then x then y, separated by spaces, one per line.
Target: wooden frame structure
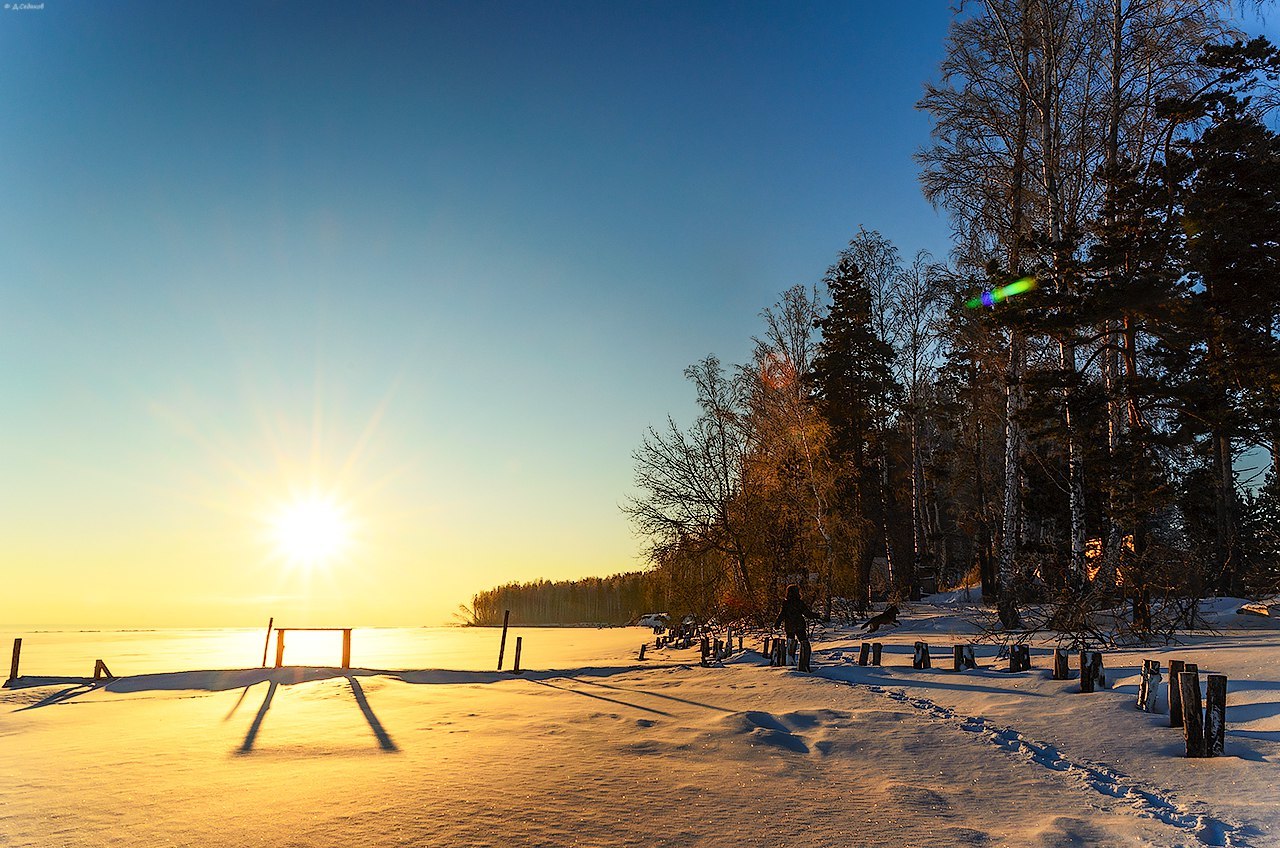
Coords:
pixel 346 642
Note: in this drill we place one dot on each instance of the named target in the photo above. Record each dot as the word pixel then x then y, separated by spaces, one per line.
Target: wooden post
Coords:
pixel 739 643
pixel 864 653
pixel 1175 693
pixel 805 651
pixel 1215 715
pixel 964 657
pixel 1061 665
pixel 266 643
pixel 1019 658
pixel 1091 673
pixel 705 646
pixel 346 647
pixel 1192 719
pixel 921 658
pixel 502 646
pixel 728 641
pixel 1177 667
pixel 100 668
pixel 279 648
pixel 642 647
pixel 17 654
pixel 876 648
pixel 765 651
pixel 1150 686
pixel 793 647
pixel 519 644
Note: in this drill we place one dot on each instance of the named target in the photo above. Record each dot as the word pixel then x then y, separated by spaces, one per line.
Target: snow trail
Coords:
pixel 1145 801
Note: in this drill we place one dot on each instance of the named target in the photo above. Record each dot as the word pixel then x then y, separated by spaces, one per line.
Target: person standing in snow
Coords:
pixel 792 619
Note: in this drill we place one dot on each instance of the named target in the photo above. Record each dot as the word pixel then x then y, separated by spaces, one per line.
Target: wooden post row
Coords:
pixel 1149 688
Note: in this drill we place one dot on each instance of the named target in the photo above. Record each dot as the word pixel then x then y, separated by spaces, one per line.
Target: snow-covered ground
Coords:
pixel 663 753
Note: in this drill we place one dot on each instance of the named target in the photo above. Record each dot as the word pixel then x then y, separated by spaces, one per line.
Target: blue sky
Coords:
pixel 443 261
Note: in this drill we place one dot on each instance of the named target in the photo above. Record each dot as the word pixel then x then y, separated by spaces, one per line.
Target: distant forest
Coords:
pixel 619 599
pixel 1057 411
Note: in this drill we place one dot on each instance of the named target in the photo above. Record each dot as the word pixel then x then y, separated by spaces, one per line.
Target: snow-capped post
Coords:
pixel 1061 665
pixel 13 666
pixel 1215 715
pixel 1091 674
pixel 515 669
pixel 1150 686
pixel 1192 719
pixel 1019 658
pixel 502 645
pixel 964 657
pixel 642 647
pixel 921 658
pixel 864 653
pixel 876 648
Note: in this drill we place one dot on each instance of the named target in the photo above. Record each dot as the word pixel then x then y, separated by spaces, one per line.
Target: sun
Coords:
pixel 311 531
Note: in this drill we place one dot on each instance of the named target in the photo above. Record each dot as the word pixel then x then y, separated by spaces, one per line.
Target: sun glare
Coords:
pixel 311 531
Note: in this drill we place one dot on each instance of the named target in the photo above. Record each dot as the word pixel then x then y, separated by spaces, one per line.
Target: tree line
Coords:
pixel 906 422
pixel 618 599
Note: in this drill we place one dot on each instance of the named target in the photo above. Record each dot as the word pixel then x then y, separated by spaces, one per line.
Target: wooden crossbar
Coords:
pixel 346 642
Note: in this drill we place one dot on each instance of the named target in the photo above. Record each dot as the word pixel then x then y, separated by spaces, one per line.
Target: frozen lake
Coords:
pixel 129 652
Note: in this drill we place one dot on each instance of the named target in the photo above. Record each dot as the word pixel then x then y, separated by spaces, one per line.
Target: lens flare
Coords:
pixel 991 298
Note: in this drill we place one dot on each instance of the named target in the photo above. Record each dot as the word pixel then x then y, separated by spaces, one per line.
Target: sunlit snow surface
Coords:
pixel 607 752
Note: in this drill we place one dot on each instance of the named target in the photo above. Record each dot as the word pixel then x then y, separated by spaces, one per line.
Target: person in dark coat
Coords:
pixel 792 619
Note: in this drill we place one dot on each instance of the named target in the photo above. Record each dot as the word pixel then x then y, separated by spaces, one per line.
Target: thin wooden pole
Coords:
pixel 502 646
pixel 642 647
pixel 279 648
pixel 519 645
pixel 17 654
pixel 267 642
pixel 346 647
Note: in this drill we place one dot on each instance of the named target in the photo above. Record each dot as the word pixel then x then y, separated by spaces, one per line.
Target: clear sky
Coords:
pixel 440 263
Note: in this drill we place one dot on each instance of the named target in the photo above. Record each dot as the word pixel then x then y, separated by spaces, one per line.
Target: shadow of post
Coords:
pixel 252 735
pixel 384 739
